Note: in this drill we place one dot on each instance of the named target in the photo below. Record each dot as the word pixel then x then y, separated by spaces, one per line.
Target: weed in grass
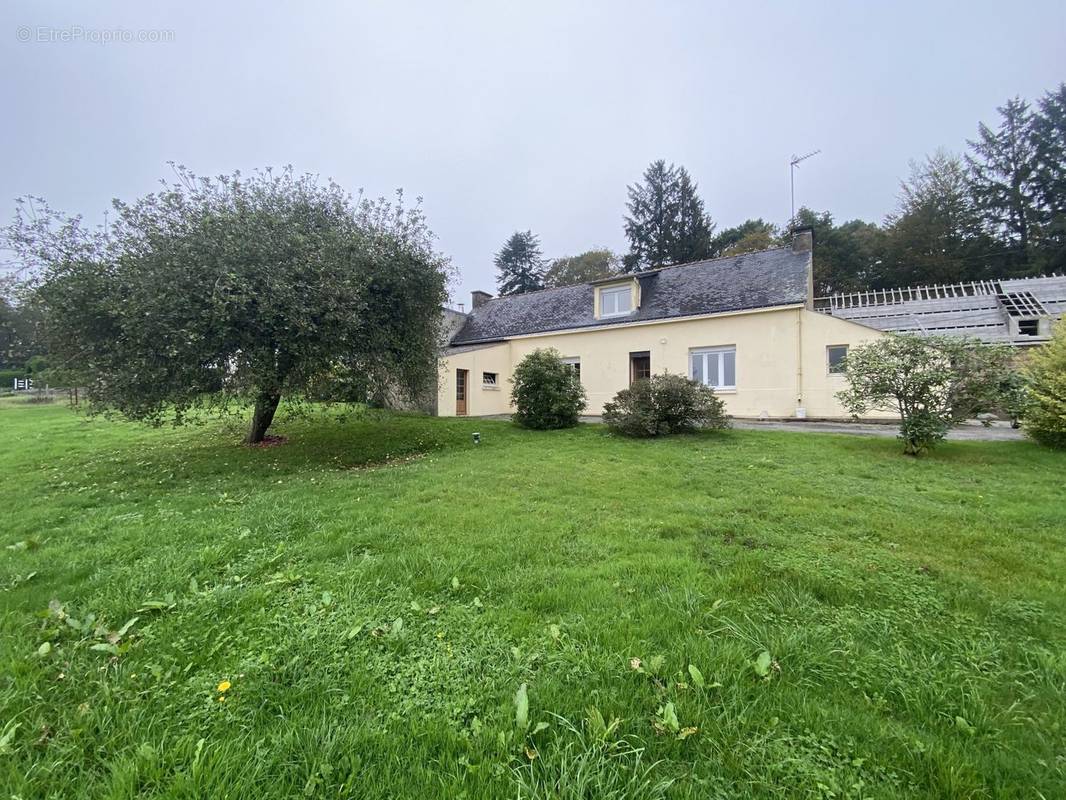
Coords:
pixel 587 761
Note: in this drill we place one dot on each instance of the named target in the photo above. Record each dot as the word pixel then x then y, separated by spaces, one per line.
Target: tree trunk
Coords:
pixel 265 406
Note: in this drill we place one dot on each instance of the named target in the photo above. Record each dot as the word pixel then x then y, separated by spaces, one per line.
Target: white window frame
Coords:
pixel 828 363
pixel 718 352
pixel 575 362
pixel 494 384
pixel 616 291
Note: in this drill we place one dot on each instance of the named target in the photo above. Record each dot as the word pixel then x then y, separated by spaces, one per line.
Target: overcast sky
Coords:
pixel 506 115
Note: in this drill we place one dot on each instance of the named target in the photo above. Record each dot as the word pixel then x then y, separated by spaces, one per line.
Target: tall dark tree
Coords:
pixel 242 288
pixel 519 264
pixel 1001 165
pixel 936 234
pixel 589 266
pixel 20 322
pixel 667 223
pixel 856 257
pixel 694 229
pixel 1049 178
pixel 9 336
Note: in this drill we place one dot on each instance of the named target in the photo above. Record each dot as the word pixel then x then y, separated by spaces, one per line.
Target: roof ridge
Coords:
pixel 624 275
pixel 532 291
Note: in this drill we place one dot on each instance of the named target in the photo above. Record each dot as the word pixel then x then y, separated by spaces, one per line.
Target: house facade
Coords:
pixel 744 325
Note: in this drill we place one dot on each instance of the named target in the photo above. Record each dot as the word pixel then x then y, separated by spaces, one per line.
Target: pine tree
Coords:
pixel 936 236
pixel 694 229
pixel 667 223
pixel 649 225
pixel 519 266
pixel 1001 173
pixel 1049 178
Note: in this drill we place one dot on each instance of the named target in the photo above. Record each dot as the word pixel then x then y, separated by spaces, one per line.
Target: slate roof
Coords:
pixel 755 280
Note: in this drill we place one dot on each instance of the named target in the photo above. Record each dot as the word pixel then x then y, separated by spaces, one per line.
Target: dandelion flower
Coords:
pixel 222 698
pixel 224 686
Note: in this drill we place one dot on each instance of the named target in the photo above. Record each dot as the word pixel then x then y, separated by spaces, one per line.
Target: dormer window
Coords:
pixel 616 301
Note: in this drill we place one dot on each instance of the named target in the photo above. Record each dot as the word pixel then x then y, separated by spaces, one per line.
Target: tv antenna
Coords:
pixel 793 165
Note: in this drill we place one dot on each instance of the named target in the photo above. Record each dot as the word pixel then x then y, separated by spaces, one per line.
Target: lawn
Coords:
pixel 353 613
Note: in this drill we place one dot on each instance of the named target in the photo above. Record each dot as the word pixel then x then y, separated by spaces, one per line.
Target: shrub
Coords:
pixel 1015 397
pixel 933 383
pixel 664 404
pixel 547 392
pixel 37 365
pixel 1045 374
pixel 7 377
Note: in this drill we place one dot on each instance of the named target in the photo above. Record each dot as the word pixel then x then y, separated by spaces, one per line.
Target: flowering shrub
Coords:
pixel 933 383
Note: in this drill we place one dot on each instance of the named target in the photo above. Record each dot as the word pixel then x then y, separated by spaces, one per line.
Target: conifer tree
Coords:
pixel 519 265
pixel 1001 174
pixel 667 223
pixel 1049 178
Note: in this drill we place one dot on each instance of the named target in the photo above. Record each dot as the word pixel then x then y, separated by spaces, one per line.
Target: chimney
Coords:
pixel 478 299
pixel 803 240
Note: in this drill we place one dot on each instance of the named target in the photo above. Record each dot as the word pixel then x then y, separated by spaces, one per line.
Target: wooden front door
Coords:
pixel 639 366
pixel 460 392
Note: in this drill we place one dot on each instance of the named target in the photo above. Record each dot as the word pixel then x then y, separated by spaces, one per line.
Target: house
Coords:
pixel 744 325
pixel 1019 312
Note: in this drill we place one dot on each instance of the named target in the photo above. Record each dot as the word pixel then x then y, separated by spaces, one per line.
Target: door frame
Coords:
pixel 462 392
pixel 638 355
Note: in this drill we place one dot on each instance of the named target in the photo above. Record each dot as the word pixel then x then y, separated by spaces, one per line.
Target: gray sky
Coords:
pixel 508 116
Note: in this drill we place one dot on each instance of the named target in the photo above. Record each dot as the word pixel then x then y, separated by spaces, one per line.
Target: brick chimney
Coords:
pixel 803 240
pixel 478 299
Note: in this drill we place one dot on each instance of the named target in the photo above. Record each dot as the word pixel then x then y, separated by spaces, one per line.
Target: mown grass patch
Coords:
pixel 376 590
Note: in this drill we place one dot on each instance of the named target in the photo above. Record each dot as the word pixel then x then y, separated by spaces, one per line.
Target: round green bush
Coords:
pixel 1044 416
pixel 547 393
pixel 664 404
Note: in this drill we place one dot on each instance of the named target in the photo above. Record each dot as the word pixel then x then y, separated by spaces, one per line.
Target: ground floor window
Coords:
pixel 834 356
pixel 490 380
pixel 714 366
pixel 575 365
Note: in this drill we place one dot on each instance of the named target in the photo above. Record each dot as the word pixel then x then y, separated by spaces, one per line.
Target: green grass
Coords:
pixel 914 612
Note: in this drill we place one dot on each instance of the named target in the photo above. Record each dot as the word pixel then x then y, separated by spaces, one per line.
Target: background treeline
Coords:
pixel 996 211
pixel 20 348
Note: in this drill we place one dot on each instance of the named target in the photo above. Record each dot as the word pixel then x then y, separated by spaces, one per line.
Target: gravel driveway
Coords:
pixel 969 431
